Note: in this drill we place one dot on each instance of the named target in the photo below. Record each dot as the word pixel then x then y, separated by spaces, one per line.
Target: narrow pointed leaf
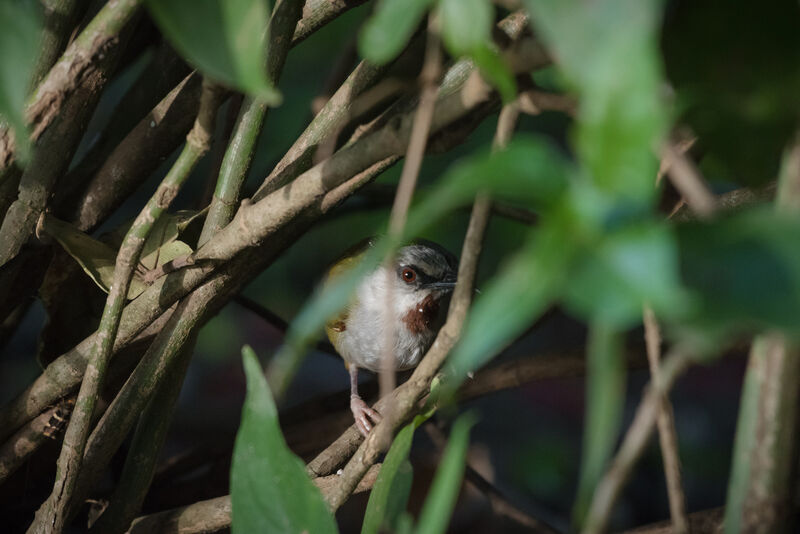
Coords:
pixel 435 515
pixel 19 45
pixel 225 39
pixel 270 490
pixel 389 29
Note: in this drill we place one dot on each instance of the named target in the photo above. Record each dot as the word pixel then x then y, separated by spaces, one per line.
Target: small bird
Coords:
pixel 423 275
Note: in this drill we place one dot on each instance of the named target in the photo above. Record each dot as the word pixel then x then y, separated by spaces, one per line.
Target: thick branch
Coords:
pixel 77 63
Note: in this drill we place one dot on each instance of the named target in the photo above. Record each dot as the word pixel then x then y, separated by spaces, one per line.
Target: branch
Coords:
pixel 633 444
pixel 98 39
pixel 52 516
pixel 154 421
pixel 65 372
pixel 688 181
pixel 53 152
pixel 214 515
pixel 667 435
pixel 257 221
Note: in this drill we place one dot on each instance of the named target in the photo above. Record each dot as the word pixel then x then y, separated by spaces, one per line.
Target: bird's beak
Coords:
pixel 448 283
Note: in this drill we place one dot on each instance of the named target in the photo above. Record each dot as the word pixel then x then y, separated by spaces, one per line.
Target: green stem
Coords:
pixel 52 516
pixel 241 149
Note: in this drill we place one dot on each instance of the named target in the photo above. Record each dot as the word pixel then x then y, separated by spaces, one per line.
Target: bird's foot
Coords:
pixel 365 416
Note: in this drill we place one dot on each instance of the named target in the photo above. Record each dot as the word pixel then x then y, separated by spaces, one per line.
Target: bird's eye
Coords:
pixel 408 275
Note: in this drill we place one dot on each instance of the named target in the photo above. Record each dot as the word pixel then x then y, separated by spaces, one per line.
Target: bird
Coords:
pixel 422 275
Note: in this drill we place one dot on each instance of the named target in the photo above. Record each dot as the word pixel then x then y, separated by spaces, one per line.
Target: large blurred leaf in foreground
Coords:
pixel 270 490
pixel 621 270
pixel 744 271
pixel 608 51
pixel 389 29
pixel 19 46
pixel 225 39
pixel 736 72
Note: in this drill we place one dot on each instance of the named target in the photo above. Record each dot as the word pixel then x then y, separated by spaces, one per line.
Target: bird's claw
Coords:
pixel 365 416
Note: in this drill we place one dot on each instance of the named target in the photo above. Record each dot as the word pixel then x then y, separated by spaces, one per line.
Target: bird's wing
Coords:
pixel 338 324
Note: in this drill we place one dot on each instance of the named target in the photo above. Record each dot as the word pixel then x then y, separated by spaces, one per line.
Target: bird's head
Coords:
pixel 422 277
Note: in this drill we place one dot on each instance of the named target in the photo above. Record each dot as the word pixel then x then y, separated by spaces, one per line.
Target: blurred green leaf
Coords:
pixel 495 71
pixel 226 40
pixel 736 79
pixel 608 51
pixel 19 47
pixel 605 400
pixel 744 271
pixel 390 28
pixel 465 24
pixel 622 270
pixel 512 300
pixel 435 514
pixel 270 490
pixel 389 495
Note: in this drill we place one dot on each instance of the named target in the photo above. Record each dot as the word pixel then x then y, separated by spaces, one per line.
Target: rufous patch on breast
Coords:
pixel 421 317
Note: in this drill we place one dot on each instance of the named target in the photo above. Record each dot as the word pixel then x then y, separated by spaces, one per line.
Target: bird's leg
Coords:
pixel 363 414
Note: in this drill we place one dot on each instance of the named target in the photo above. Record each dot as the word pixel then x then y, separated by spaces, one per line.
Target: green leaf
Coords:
pixel 466 24
pixel 98 259
pixel 622 270
pixel 389 495
pixel 270 490
pixel 19 47
pixel 495 71
pixel 605 400
pixel 226 40
pixel 390 28
pixel 435 514
pixel 512 301
pixel 744 271
pixel 609 52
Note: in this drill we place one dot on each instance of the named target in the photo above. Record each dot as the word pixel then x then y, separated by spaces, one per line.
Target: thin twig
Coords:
pixel 633 444
pixel 667 434
pixel 418 139
pixel 688 181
